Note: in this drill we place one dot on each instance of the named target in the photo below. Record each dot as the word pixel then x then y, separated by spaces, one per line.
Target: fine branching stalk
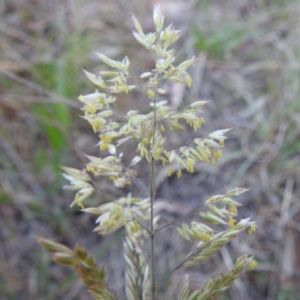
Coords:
pixel 152 193
pixel 215 221
pixel 152 233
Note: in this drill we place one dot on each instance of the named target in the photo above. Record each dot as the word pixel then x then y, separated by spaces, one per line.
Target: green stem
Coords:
pixel 152 189
pixel 152 195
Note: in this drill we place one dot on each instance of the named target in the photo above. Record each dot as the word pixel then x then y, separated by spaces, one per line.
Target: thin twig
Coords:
pixel 180 218
pixel 21 166
pixel 191 255
pixel 38 88
pixel 140 225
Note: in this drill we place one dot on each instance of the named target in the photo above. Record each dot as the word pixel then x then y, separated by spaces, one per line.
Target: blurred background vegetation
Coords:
pixel 248 68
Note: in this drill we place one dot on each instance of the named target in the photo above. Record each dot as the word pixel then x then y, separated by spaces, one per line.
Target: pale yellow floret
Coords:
pixel 90 109
pixel 91 169
pixel 133 226
pixel 105 138
pixel 252 264
pixel 188 80
pixel 252 229
pixel 197 123
pixel 123 86
pixel 204 236
pixel 205 157
pixel 143 152
pixel 232 209
pixel 80 205
pixel 190 165
pixel 144 142
pixel 170 171
pixel 103 146
pixel 231 222
pixel 217 154
pixel 151 94
pixel 97 124
pixel 164 161
pixel 179 173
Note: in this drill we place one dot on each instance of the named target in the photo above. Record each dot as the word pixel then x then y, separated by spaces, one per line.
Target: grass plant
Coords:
pixel 217 221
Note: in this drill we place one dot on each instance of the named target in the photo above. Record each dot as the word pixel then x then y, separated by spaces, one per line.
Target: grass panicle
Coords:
pixel 150 131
